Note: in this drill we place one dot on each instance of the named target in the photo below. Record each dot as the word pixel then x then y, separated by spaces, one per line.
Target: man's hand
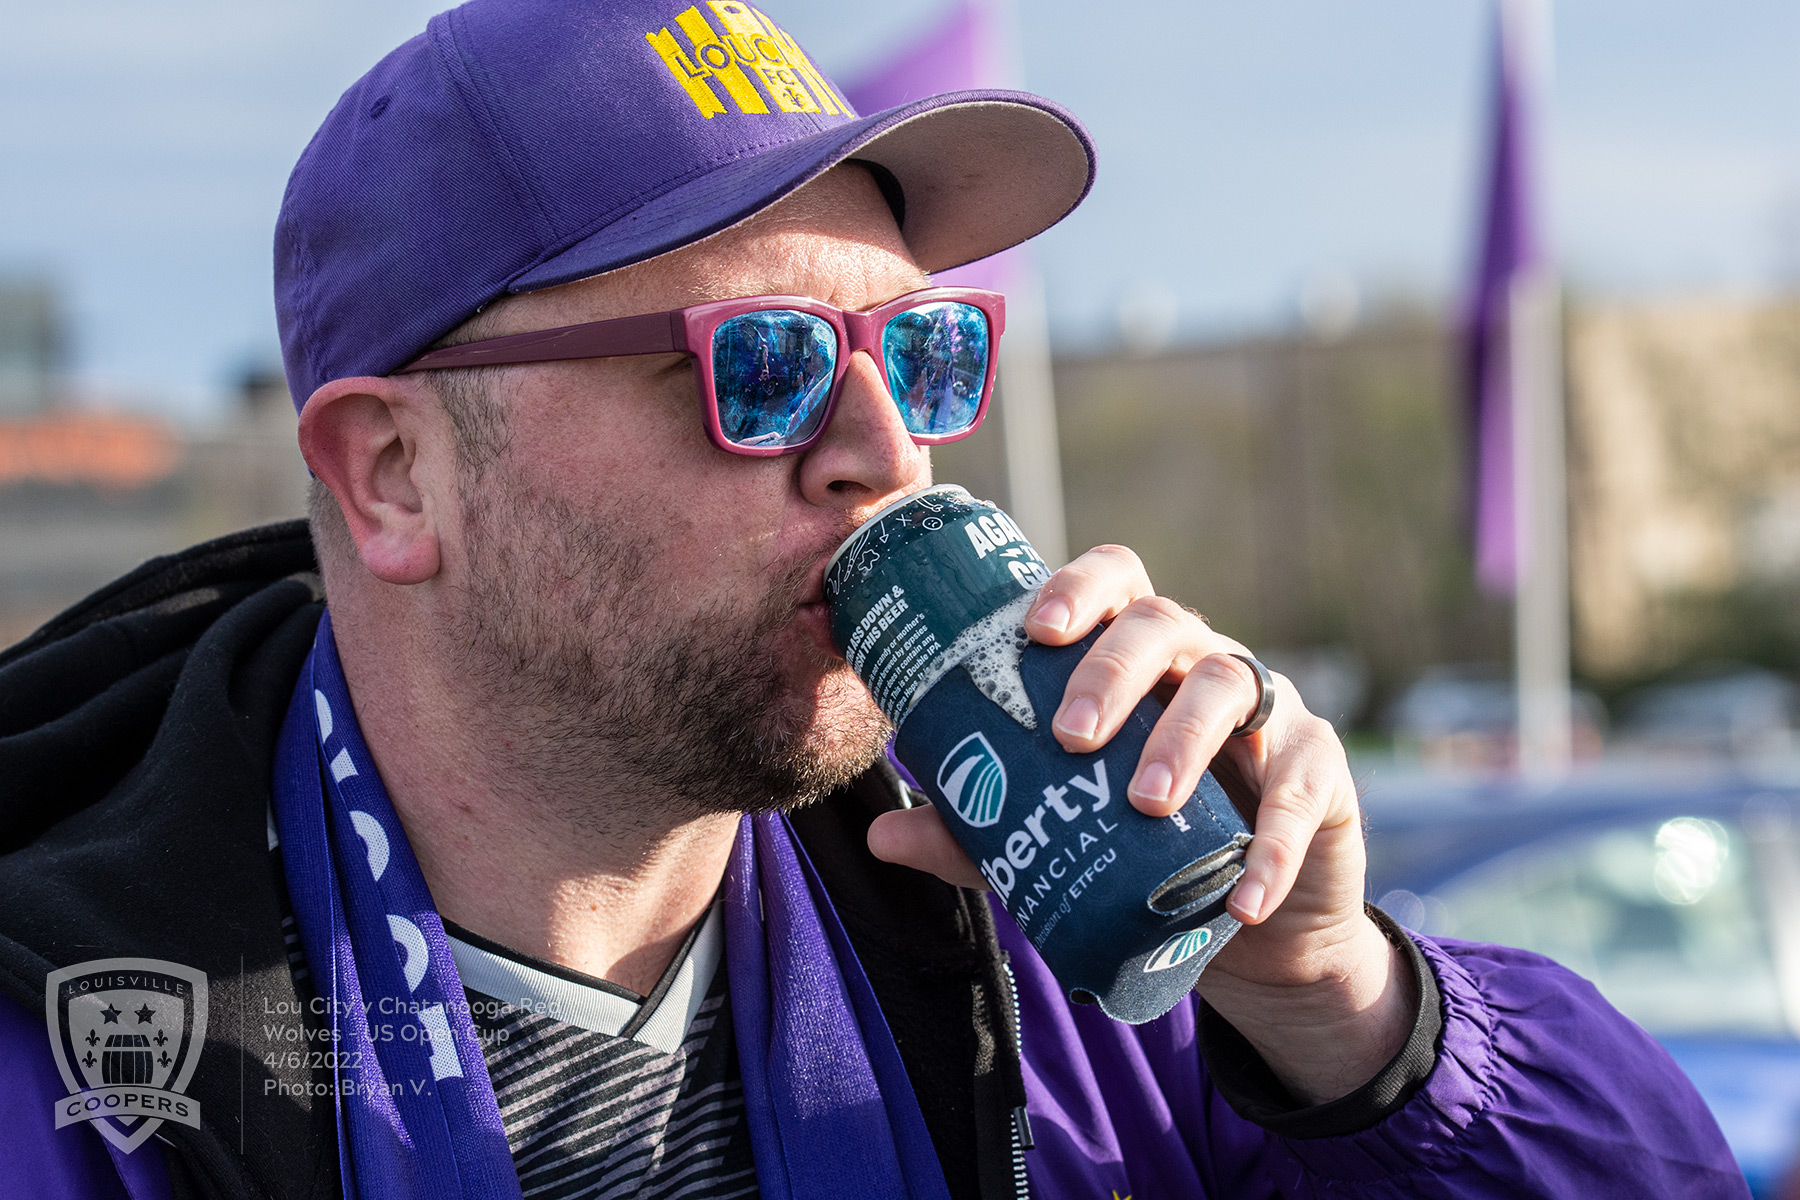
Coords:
pixel 1311 982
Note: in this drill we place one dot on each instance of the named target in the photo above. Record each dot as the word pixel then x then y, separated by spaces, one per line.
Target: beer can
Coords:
pixel 928 601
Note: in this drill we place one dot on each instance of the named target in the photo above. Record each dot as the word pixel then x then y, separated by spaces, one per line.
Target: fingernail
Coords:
pixel 1053 614
pixel 1153 782
pixel 1249 897
pixel 1080 719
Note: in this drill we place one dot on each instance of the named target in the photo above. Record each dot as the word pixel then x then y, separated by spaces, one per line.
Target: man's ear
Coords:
pixel 361 437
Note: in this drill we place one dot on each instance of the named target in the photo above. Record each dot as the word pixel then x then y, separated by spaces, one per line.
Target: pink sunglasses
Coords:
pixel 771 367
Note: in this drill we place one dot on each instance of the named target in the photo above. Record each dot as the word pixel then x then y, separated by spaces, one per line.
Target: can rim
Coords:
pixel 934 489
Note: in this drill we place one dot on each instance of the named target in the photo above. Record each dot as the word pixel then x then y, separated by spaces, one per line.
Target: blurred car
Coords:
pixel 1677 894
pixel 1334 679
pixel 1719 711
pixel 1467 715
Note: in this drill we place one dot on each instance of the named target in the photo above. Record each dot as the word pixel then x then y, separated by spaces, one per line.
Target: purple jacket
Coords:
pixel 1541 1088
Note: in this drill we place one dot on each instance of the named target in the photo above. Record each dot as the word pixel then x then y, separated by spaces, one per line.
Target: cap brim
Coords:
pixel 980 171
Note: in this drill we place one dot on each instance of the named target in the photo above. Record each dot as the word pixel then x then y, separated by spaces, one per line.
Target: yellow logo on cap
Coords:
pixel 752 50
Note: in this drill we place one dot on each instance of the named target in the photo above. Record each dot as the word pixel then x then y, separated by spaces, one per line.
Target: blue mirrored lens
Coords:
pixel 936 357
pixel 772 375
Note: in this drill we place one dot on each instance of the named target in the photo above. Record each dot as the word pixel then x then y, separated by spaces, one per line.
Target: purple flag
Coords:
pixel 962 51
pixel 1510 247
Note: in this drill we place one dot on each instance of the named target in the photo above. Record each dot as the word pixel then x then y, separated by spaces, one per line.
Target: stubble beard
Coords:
pixel 569 635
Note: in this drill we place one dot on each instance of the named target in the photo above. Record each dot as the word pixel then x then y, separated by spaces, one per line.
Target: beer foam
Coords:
pixel 989 651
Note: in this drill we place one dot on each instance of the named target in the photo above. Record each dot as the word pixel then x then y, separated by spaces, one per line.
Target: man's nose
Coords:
pixel 865 454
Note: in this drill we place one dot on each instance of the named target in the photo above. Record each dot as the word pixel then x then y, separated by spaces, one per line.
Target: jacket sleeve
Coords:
pixel 1539 1087
pixel 43 1162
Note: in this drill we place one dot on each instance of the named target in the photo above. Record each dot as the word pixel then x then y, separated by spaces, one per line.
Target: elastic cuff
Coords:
pixel 1255 1094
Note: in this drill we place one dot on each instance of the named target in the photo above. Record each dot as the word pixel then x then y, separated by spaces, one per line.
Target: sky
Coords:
pixel 1249 155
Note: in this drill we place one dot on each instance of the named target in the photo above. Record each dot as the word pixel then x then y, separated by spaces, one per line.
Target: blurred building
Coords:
pixel 86 496
pixel 1304 491
pixel 1307 491
pixel 32 346
pixel 1684 444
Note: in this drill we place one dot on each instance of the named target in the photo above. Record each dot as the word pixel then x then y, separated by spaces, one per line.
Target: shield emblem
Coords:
pixel 127 1034
pixel 973 779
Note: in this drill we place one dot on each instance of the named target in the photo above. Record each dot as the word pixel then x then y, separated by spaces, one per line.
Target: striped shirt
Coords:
pixel 607 1094
pixel 604 1093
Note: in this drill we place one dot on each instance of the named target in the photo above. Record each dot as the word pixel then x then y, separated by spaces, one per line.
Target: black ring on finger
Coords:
pixel 1265 697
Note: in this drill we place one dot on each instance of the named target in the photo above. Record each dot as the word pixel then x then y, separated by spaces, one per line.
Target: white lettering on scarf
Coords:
pixel 416 953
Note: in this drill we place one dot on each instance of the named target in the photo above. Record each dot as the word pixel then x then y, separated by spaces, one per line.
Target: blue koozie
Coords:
pixel 928 601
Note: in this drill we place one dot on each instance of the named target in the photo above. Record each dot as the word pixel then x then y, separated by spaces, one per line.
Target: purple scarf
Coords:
pixel 826 1096
pixel 831 1110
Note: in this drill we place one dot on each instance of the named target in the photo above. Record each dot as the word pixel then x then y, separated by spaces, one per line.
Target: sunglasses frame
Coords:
pixel 681 330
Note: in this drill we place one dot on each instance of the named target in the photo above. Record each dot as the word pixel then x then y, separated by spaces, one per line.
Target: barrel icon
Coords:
pixel 126 1059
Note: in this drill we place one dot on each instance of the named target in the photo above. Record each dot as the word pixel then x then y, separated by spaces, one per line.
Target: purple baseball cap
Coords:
pixel 519 144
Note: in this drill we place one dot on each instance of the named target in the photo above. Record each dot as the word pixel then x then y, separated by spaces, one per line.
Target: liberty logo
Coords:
pixel 1178 950
pixel 126 1033
pixel 973 779
pixel 751 50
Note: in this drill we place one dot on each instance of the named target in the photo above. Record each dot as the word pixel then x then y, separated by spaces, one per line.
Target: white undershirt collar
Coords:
pixel 587 1007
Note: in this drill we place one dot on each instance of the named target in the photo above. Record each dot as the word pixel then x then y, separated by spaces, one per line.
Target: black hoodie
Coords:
pixel 137 733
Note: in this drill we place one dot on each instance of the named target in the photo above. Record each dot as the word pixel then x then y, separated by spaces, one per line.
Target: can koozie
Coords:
pixel 928 601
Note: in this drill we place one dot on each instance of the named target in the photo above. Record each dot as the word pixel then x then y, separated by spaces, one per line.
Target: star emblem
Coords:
pixel 144 1014
pixel 111 1014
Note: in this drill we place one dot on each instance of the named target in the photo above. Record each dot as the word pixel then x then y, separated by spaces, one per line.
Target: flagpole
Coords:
pixel 1539 466
pixel 1540 491
pixel 1028 419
